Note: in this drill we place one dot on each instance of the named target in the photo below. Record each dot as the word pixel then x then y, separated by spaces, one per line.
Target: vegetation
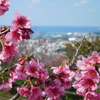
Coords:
pixel 90 44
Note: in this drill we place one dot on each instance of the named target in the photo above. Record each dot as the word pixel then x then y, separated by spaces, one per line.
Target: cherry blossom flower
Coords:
pixel 0 66
pixel 81 91
pixel 98 96
pixel 85 83
pixel 43 75
pixel 4 4
pixel 5 86
pixel 91 95
pixel 18 35
pixel 91 73
pixel 26 32
pixel 64 76
pixel 64 82
pixel 32 68
pixel 35 93
pixel 15 35
pixel 21 21
pixel 24 91
pixel 21 61
pixel 19 73
pixel 63 71
pixel 8 52
pixel 84 64
pixel 95 58
pixel 54 91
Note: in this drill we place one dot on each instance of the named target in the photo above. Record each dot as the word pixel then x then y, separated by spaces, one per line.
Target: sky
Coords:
pixel 55 12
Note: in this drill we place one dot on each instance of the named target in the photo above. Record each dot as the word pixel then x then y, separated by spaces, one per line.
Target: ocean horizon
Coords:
pixel 43 31
pixel 46 31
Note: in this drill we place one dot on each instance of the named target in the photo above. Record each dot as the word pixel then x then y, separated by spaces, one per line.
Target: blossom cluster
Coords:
pixel 36 75
pixel 88 77
pixel 4 4
pixel 18 31
pixel 30 69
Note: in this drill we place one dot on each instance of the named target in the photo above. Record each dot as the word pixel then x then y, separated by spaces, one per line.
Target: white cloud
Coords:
pixel 50 4
pixel 35 1
pixel 84 2
pixel 76 4
pixel 81 2
pixel 92 10
pixel 30 6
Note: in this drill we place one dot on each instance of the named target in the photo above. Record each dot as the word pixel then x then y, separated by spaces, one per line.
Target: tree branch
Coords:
pixel 7 69
pixel 72 93
pixel 17 94
pixel 77 51
pixel 5 31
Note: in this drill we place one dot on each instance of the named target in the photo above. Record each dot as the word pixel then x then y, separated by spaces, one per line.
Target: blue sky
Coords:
pixel 56 12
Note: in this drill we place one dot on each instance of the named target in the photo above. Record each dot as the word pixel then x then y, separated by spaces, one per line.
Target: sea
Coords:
pixel 50 31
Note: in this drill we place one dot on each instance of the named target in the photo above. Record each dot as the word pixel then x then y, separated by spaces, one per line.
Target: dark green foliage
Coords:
pixel 72 97
pixel 90 44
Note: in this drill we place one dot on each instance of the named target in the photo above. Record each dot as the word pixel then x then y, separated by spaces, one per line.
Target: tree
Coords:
pixel 29 75
pixel 90 44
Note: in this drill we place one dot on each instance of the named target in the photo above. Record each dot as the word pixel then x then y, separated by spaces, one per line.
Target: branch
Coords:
pixel 72 93
pixel 7 69
pixel 17 94
pixel 77 51
pixel 5 31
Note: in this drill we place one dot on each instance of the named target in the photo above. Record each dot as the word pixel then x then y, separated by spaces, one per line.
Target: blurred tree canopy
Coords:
pixel 90 44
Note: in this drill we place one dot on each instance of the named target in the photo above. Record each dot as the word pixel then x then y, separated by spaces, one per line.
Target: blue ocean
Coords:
pixel 47 31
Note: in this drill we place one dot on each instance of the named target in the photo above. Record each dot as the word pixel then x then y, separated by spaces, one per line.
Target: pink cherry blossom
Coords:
pixel 21 21
pixel 43 75
pixel 32 68
pixel 24 91
pixel 91 73
pixel 98 96
pixel 95 58
pixel 81 91
pixel 15 35
pixel 85 82
pixel 4 4
pixel 12 79
pixel 53 92
pixel 26 32
pixel 91 95
pixel 18 73
pixel 60 69
pixel 63 71
pixel 0 66
pixel 8 52
pixel 35 93
pixel 5 86
pixel 84 64
pixel 18 35
pixel 78 75
pixel 21 61
pixel 64 82
pixel 64 76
